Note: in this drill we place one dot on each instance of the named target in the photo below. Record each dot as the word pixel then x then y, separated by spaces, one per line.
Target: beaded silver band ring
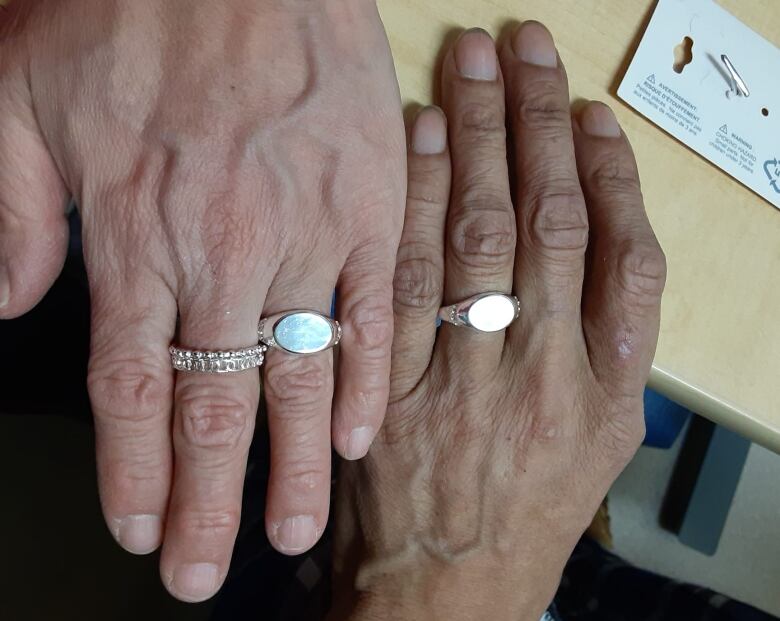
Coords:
pixel 233 361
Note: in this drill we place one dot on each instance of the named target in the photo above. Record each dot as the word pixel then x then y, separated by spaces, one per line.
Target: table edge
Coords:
pixel 717 410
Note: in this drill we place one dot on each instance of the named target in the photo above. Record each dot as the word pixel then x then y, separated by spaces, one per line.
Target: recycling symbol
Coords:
pixel 772 170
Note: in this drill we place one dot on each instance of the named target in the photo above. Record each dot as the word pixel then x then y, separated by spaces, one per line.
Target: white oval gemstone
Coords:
pixel 492 313
pixel 303 333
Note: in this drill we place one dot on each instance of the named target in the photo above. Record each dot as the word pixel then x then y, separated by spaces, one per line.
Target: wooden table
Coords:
pixel 719 352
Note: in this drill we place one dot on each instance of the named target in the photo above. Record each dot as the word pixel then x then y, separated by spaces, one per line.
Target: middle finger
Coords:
pixel 299 397
pixel 551 214
pixel 481 231
pixel 214 417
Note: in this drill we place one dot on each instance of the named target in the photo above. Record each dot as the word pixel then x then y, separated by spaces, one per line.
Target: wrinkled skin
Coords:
pixel 230 160
pixel 498 448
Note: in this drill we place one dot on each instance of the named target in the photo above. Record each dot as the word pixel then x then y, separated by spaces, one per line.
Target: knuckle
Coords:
pixel 210 422
pixel 559 222
pixel 461 428
pixel 219 524
pixel 371 324
pixel 428 183
pixel 229 234
pixel 128 479
pixel 484 238
pixel 303 478
pixel 622 436
pixel 418 283
pixel 131 481
pixel 131 391
pixel 613 177
pixel 641 271
pixel 542 106
pixel 478 190
pixel 425 196
pixel 297 384
pixel 481 120
pixel 369 399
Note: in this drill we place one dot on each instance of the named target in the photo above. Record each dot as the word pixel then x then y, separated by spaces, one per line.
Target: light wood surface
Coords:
pixel 719 352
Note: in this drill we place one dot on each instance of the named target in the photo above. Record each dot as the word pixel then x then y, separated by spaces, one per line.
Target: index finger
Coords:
pixel 419 270
pixel 621 308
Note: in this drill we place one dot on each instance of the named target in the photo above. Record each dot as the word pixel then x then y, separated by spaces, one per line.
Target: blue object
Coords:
pixel 664 420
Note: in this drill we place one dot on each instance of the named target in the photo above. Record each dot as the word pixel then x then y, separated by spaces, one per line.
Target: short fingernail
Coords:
pixel 429 134
pixel 297 534
pixel 139 534
pixel 597 119
pixel 195 582
pixel 5 287
pixel 534 44
pixel 475 55
pixel 359 442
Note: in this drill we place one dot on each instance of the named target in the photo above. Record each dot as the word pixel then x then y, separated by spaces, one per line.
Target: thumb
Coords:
pixel 33 227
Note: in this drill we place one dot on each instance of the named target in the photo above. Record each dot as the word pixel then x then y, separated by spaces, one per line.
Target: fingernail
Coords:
pixel 598 120
pixel 297 534
pixel 429 134
pixel 359 442
pixel 5 287
pixel 475 55
pixel 534 44
pixel 195 582
pixel 139 534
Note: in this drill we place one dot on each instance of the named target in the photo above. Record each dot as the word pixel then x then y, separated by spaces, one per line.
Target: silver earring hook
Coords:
pixel 738 84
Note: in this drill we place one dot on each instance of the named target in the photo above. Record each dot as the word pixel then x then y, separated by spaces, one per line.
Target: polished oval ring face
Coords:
pixel 303 333
pixel 492 313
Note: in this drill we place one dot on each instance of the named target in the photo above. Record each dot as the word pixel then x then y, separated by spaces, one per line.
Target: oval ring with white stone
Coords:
pixel 299 332
pixel 486 312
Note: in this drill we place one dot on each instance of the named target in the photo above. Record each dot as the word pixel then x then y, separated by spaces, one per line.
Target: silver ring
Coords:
pixel 299 332
pixel 233 361
pixel 486 312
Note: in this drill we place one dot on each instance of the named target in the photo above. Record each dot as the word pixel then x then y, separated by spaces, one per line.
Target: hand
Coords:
pixel 230 160
pixel 498 448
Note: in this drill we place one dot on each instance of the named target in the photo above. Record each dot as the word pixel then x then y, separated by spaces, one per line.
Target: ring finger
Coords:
pixel 299 397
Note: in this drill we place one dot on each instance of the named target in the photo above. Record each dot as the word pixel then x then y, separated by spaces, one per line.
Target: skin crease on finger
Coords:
pixel 212 149
pixel 484 478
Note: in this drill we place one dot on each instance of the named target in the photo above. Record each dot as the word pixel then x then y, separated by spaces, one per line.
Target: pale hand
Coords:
pixel 230 160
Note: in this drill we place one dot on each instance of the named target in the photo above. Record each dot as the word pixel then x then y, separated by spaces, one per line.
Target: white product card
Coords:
pixel 699 103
